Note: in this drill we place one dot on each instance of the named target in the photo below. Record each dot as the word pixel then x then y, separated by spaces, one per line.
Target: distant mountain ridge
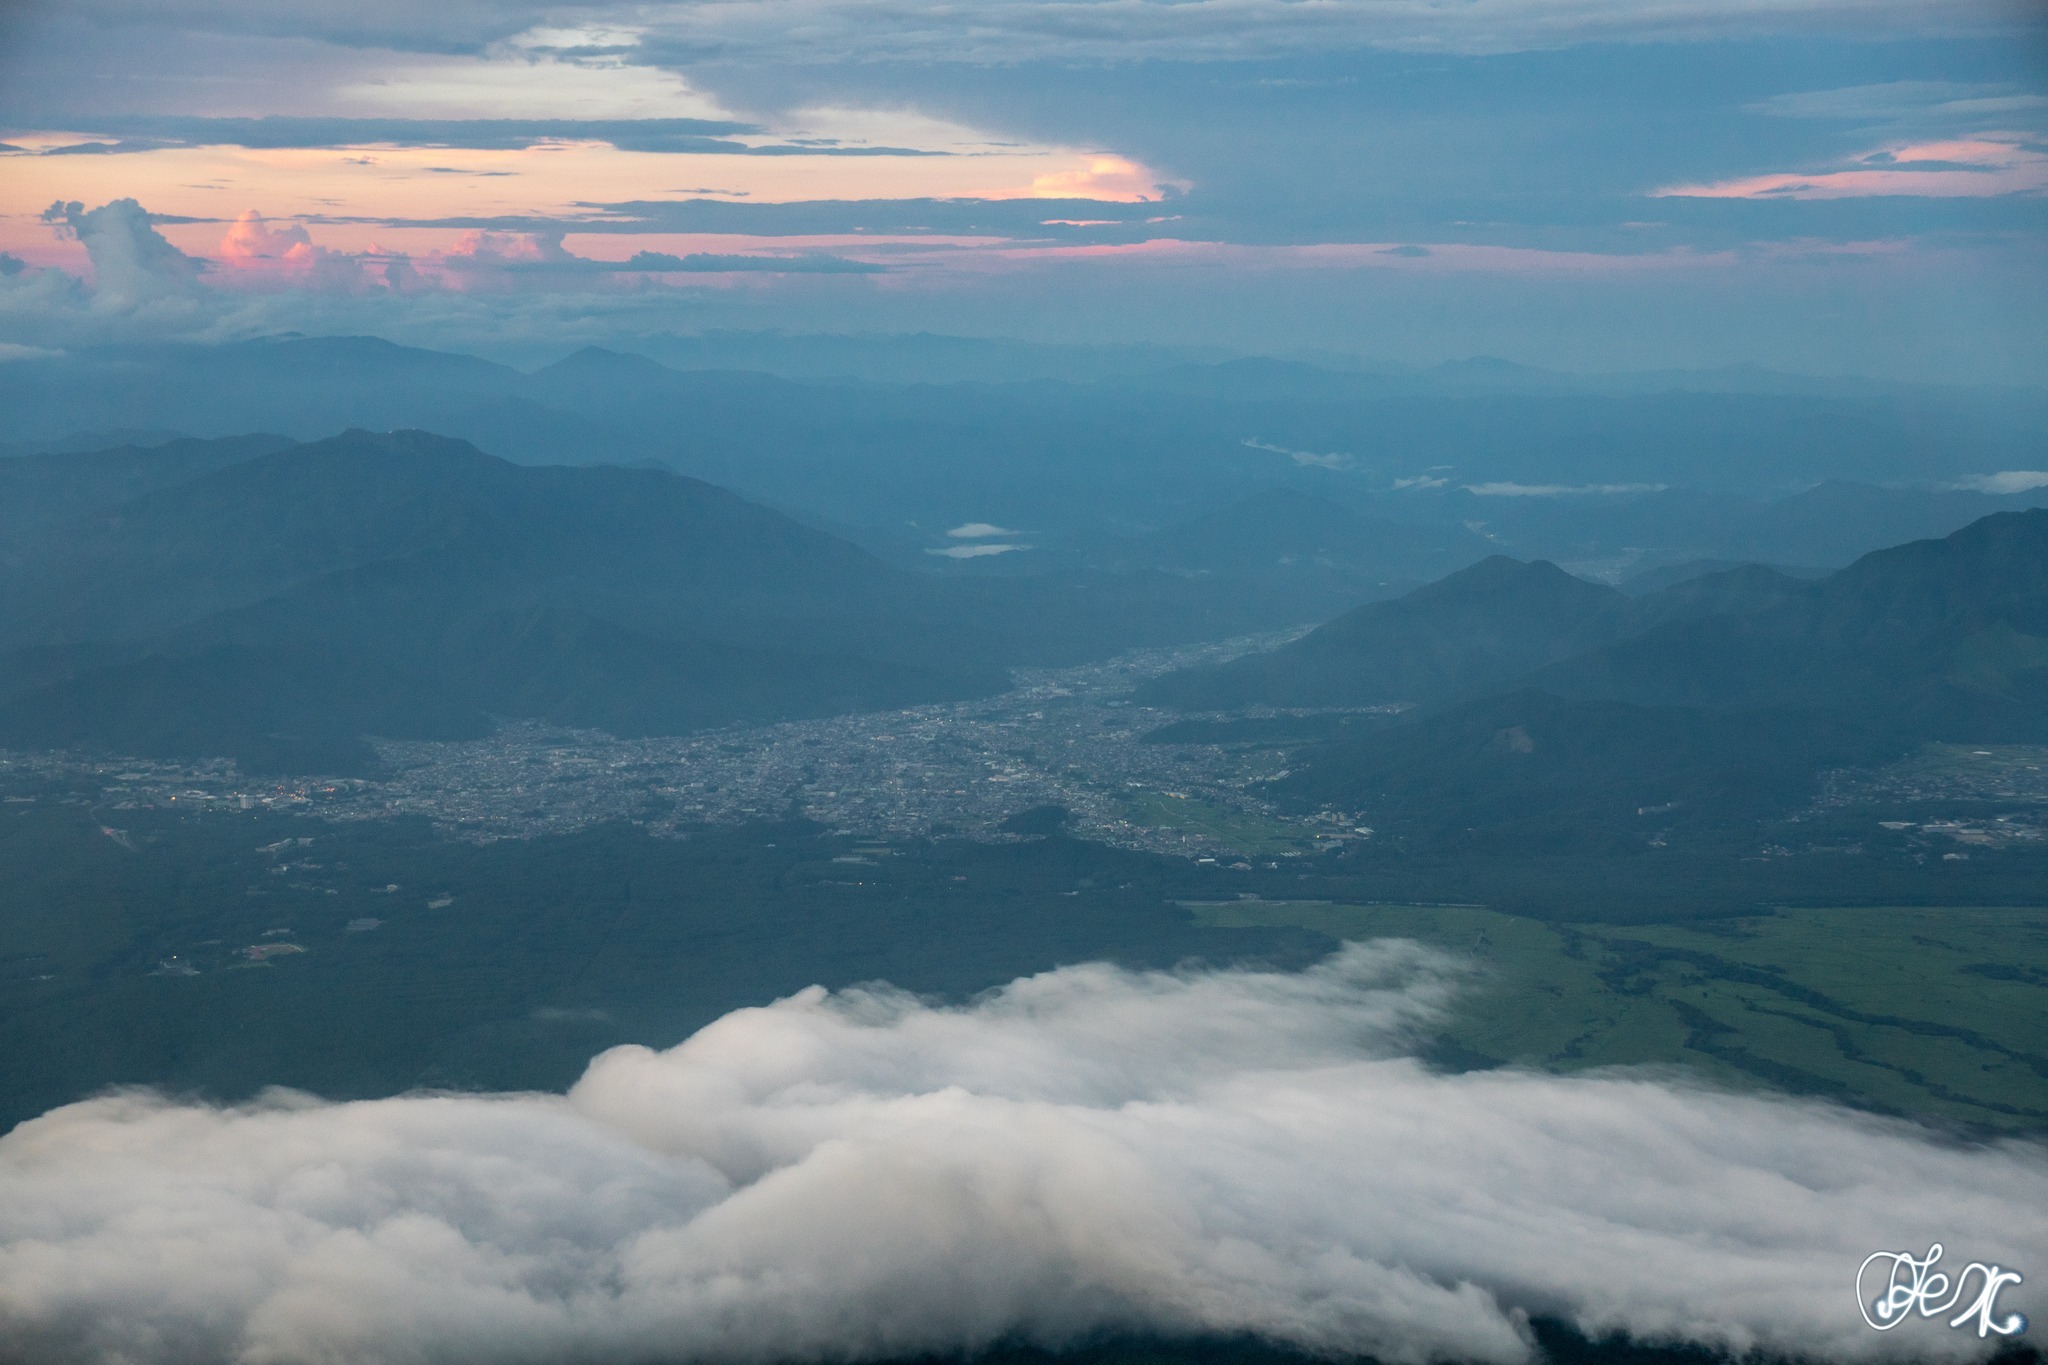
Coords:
pixel 43 490
pixel 1561 717
pixel 1945 636
pixel 1139 446
pixel 1952 626
pixel 281 606
pixel 1477 628
pixel 246 531
pixel 278 602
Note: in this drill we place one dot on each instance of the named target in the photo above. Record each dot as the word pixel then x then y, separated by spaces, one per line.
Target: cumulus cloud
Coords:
pixel 269 275
pixel 260 253
pixel 141 285
pixel 252 238
pixel 132 262
pixel 863 1175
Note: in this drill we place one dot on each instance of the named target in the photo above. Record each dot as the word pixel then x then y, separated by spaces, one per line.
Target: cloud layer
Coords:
pixel 1003 31
pixel 862 1175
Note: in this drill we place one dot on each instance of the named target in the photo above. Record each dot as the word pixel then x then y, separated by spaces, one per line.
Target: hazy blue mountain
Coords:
pixel 517 428
pixel 280 601
pixel 80 442
pixel 302 386
pixel 1723 711
pixel 245 532
pixel 1479 628
pixel 1839 521
pixel 295 683
pixel 409 584
pixel 918 358
pixel 1950 634
pixel 1947 638
pixel 57 489
pixel 1050 451
pixel 1671 575
pixel 1618 535
pixel 1744 589
pixel 1539 774
pixel 1280 532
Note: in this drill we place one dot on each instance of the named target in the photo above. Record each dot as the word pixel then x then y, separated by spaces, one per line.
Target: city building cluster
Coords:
pixel 1069 737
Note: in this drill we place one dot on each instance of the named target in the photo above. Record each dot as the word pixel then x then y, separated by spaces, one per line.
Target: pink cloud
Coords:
pixel 257 253
pixel 1968 168
pixel 254 238
pixel 507 248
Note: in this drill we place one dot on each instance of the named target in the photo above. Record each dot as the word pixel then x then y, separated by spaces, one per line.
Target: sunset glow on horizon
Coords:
pixel 1337 171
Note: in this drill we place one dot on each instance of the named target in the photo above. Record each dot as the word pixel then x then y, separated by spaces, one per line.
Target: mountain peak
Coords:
pixel 1497 574
pixel 598 361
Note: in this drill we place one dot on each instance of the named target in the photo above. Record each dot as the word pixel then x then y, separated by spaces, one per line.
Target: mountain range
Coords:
pixel 1955 628
pixel 278 602
pixel 1744 465
pixel 279 607
pixel 1545 710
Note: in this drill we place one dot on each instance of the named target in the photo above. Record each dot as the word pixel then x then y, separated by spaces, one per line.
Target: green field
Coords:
pixel 218 953
pixel 1939 1013
pixel 1241 833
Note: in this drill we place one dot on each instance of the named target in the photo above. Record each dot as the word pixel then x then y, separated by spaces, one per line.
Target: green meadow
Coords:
pixel 1937 1013
pixel 1240 832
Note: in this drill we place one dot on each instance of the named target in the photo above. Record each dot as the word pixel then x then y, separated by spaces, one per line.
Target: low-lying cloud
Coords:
pixel 863 1175
pixel 2006 482
pixel 1560 490
pixel 1308 459
pixel 982 550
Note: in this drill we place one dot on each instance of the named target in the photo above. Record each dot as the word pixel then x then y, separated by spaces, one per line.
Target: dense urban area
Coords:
pixel 1070 738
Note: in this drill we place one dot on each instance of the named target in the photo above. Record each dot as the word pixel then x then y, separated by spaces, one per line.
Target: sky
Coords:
pixel 1826 186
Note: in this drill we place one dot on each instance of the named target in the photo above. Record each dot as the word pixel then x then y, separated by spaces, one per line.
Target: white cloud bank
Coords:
pixel 2007 481
pixel 861 1175
pixel 982 551
pixel 1560 490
